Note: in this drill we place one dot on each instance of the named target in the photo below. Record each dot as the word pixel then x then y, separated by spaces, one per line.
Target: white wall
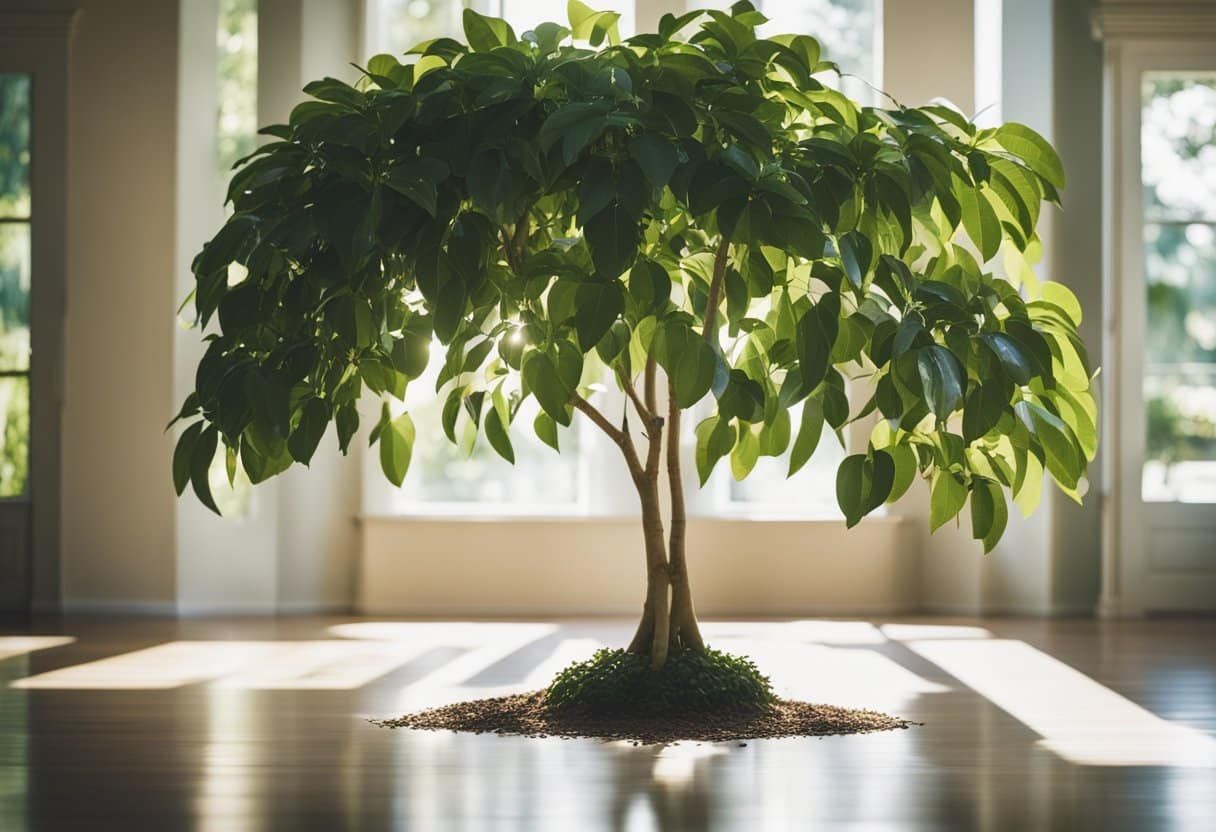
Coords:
pixel 118 506
pixel 594 566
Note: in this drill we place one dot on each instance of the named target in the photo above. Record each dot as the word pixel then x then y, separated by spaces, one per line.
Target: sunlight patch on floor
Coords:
pixel 11 646
pixel 268 665
pixel 1079 719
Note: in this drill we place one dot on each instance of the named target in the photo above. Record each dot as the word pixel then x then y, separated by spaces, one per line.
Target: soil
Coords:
pixel 526 715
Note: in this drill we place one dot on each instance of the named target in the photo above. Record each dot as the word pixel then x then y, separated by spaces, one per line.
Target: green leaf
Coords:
pixel 486 33
pixel 809 430
pixel 1013 358
pixel 396 448
pixel 598 304
pixel 612 236
pixel 1028 145
pixel 540 374
pixel 852 488
pixel 314 418
pixel 496 432
pixel 407 181
pixel 546 430
pixel 183 455
pixel 946 498
pixel 979 219
pixel 1062 296
pixel 989 514
pixel 775 435
pixel 715 439
pixel 346 419
pixel 904 459
pixel 942 378
pixel 1063 461
pixel 655 155
pixel 411 352
pixel 816 335
pixel 200 466
pixel 863 482
pixel 855 254
pixel 746 453
pixel 590 25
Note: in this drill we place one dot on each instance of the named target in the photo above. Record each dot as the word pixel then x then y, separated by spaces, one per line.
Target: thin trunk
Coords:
pixel 653 635
pixel 683 629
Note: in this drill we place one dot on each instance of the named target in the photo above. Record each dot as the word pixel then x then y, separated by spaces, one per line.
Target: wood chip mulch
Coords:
pixel 525 715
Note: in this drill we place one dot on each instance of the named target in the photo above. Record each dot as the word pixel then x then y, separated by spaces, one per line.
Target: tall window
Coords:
pixel 849 32
pixel 470 476
pixel 1178 175
pixel 446 478
pixel 236 82
pixel 14 284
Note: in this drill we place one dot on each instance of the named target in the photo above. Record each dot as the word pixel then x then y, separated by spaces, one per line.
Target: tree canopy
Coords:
pixel 562 206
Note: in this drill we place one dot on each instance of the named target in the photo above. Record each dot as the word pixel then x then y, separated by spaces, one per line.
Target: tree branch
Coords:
pixel 620 437
pixel 652 402
pixel 644 412
pixel 715 288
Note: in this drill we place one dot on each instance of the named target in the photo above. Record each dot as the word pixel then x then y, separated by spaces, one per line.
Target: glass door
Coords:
pixel 1164 329
pixel 15 255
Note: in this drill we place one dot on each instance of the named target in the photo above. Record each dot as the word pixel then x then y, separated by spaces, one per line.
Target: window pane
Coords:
pixel 445 477
pixel 14 146
pixel 847 31
pixel 396 25
pixel 14 296
pixel 1178 147
pixel 14 435
pixel 237 82
pixel 810 494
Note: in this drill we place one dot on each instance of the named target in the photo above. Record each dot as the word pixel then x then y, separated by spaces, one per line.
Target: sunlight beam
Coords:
pixel 1077 718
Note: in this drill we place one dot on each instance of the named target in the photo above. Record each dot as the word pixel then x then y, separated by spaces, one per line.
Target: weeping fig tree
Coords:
pixel 690 214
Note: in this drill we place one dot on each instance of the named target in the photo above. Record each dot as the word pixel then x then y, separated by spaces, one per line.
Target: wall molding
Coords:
pixel 1154 21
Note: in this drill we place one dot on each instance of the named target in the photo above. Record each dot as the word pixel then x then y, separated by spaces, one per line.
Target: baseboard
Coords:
pixel 98 606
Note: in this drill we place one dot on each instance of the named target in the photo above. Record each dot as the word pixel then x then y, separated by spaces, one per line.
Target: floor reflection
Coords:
pixel 1028 725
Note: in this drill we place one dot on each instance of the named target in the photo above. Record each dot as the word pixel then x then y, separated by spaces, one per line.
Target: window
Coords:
pixel 848 31
pixel 588 475
pixel 1178 177
pixel 14 285
pixel 470 477
pixel 236 81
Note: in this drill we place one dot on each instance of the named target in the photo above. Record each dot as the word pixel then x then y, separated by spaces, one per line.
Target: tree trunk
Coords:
pixel 669 620
pixel 683 629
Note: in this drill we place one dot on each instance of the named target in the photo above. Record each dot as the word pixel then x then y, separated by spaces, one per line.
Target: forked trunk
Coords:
pixel 669 619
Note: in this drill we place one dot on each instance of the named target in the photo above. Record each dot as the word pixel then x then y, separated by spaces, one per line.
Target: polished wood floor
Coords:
pixel 248 724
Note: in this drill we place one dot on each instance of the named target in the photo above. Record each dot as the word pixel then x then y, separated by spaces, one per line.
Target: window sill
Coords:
pixel 614 519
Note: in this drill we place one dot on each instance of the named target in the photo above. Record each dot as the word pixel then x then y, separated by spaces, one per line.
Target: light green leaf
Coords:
pixel 1028 145
pixel 946 498
pixel 715 439
pixel 809 431
pixel 396 448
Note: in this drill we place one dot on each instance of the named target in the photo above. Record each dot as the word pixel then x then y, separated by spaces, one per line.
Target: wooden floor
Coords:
pixel 250 724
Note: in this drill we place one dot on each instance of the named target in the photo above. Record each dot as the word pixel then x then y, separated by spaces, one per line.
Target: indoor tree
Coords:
pixel 691 214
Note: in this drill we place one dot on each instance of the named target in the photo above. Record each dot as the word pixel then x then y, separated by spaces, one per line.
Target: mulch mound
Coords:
pixel 526 715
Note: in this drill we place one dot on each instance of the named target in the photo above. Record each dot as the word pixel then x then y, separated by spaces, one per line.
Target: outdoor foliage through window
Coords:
pixel 14 283
pixel 1178 157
